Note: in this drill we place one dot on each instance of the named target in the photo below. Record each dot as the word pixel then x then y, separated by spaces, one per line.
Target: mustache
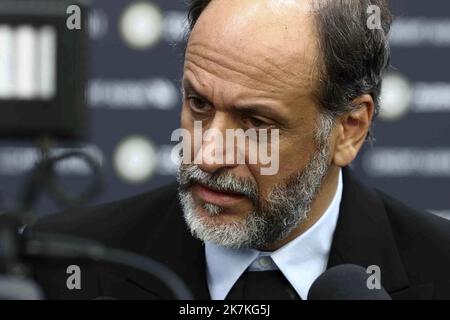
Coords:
pixel 190 174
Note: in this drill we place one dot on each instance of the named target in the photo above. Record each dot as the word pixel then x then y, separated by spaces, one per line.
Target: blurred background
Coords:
pixel 134 58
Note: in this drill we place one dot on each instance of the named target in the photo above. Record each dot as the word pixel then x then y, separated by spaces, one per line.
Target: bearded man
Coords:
pixel 312 71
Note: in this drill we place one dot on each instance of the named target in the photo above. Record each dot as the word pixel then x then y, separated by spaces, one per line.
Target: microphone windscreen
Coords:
pixel 345 282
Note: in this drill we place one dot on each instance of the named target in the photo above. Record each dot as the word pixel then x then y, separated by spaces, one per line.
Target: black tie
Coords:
pixel 262 285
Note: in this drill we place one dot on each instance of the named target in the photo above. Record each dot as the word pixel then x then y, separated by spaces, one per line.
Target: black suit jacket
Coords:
pixel 412 248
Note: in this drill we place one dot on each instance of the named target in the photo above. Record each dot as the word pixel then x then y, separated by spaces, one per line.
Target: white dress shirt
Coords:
pixel 301 261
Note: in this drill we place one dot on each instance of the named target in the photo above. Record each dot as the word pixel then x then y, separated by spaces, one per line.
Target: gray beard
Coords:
pixel 287 205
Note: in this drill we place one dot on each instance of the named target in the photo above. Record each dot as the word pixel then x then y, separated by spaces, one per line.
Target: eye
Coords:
pixel 198 105
pixel 257 123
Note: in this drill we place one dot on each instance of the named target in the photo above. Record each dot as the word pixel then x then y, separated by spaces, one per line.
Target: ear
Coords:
pixel 352 129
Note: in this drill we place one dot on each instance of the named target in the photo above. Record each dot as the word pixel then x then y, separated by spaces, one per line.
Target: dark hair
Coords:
pixel 354 56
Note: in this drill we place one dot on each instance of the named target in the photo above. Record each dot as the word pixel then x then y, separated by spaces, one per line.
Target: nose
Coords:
pixel 212 155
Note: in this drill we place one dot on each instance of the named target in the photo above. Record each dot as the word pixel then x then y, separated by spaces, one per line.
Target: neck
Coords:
pixel 318 207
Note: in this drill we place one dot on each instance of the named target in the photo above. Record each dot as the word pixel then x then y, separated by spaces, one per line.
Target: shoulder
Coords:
pixel 110 223
pixel 422 237
pixel 420 223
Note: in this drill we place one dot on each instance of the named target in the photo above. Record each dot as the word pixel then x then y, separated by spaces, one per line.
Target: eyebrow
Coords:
pixel 255 108
pixel 188 86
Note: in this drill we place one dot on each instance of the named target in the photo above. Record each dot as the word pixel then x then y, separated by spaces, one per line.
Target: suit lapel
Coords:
pixel 363 236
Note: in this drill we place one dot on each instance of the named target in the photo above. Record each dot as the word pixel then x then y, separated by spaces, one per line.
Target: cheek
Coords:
pixel 188 139
pixel 186 121
pixel 293 158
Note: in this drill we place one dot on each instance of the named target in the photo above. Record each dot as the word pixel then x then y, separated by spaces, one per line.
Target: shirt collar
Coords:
pixel 301 261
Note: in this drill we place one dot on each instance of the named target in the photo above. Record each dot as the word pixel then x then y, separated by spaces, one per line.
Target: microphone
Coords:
pixel 345 282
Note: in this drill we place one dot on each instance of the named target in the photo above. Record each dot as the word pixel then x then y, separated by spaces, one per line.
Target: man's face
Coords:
pixel 251 65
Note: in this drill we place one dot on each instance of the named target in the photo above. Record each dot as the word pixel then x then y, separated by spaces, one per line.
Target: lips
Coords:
pixel 217 197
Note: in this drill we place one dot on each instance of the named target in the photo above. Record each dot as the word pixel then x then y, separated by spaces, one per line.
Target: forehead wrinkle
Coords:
pixel 268 89
pixel 274 77
pixel 220 69
pixel 257 92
